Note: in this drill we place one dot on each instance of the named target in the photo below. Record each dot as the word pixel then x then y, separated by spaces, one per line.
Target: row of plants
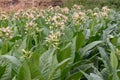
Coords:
pixel 60 44
pixel 90 4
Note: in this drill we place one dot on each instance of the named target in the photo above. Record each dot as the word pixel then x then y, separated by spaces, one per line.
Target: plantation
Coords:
pixel 60 44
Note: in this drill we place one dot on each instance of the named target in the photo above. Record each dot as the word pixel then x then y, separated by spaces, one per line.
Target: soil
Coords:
pixel 13 5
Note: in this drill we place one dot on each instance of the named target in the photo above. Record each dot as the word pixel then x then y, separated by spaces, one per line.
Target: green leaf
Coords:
pixel 86 75
pixel 80 40
pixel 95 77
pixel 105 58
pixel 6 71
pixel 16 31
pixel 2 70
pixel 84 50
pixel 58 67
pixel 5 47
pixel 114 64
pixel 23 45
pixel 12 59
pixel 92 76
pixel 24 72
pixel 114 60
pixel 75 76
pixel 34 68
pixel 16 38
pixel 14 78
pixel 112 47
pixel 65 52
pixel 114 41
pixel 63 62
pixel 104 74
pixel 1 43
pixel 48 62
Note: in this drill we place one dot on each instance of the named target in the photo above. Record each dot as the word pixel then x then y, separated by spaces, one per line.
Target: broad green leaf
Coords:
pixel 6 72
pixel 114 60
pixel 2 70
pixel 73 49
pixel 55 71
pixel 23 45
pixel 114 64
pixel 105 74
pixel 95 77
pixel 114 41
pixel 34 68
pixel 105 58
pixel 84 50
pixel 92 76
pixel 16 31
pixel 59 66
pixel 45 31
pixel 115 75
pixel 5 47
pixel 65 52
pixel 86 75
pixel 112 47
pixel 80 40
pixel 63 62
pixel 24 72
pixel 118 73
pixel 67 36
pixel 12 59
pixel 14 78
pixel 75 76
pixel 48 63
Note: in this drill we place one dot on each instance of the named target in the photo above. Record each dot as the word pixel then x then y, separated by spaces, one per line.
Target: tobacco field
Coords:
pixel 60 44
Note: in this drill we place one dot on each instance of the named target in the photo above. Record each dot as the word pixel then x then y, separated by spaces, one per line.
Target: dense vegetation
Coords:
pixel 60 44
pixel 90 4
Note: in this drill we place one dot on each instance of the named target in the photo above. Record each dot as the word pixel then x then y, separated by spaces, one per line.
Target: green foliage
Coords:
pixel 60 44
pixel 90 4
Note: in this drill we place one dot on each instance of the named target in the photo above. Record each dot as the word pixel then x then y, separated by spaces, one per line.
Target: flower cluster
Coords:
pixel 6 33
pixel 31 27
pixel 59 20
pixel 56 23
pixel 104 13
pixel 18 15
pixel 77 7
pixel 53 39
pixel 28 14
pixel 79 17
pixel 3 16
pixel 106 9
pixel 26 54
pixel 65 10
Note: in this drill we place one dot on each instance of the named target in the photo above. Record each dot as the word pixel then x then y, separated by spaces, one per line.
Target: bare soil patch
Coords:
pixel 13 5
